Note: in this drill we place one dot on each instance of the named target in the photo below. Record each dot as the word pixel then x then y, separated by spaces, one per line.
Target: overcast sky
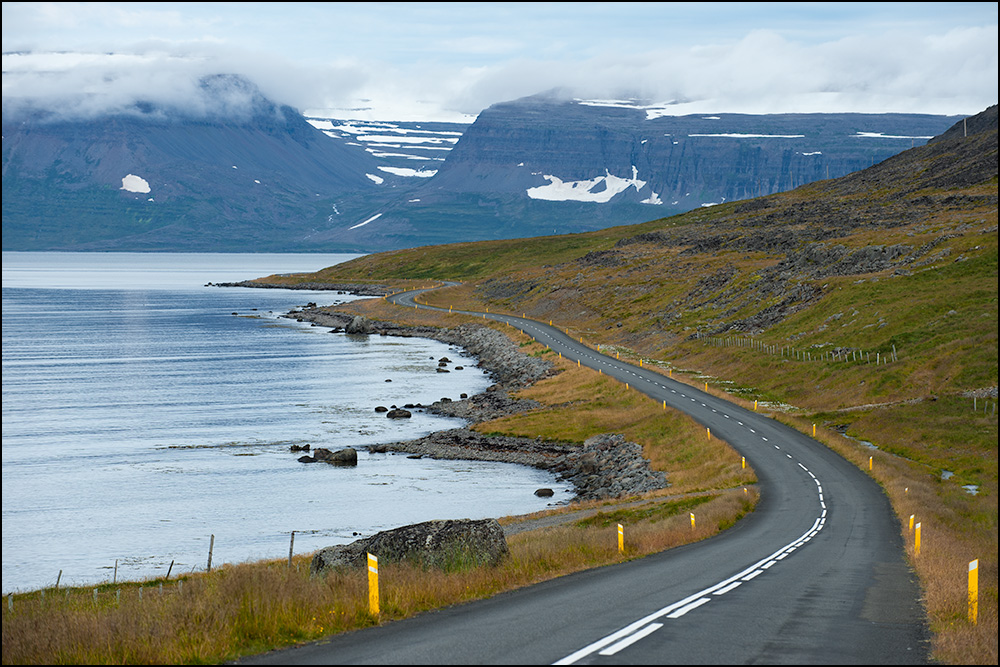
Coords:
pixel 449 61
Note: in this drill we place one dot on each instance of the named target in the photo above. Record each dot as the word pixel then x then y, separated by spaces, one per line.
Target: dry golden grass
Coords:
pixel 245 609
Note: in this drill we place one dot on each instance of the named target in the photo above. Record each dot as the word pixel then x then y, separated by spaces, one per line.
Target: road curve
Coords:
pixel 815 575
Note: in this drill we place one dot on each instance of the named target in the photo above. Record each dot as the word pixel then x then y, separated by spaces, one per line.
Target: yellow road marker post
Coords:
pixel 916 542
pixel 974 592
pixel 692 520
pixel 709 432
pixel 621 539
pixel 373 585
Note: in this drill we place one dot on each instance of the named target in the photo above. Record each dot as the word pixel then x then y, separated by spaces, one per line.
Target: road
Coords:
pixel 815 575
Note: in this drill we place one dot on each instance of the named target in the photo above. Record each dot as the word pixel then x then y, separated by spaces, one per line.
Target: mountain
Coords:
pixel 237 172
pixel 546 165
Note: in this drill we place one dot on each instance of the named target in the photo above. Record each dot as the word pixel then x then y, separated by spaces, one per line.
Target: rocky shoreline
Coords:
pixel 605 466
pixel 358 289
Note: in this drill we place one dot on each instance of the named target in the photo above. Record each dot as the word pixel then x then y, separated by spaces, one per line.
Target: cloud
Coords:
pixel 87 85
pixel 953 72
pixel 438 62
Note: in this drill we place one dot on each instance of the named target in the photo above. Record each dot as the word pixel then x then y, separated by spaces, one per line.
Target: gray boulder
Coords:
pixel 359 325
pixel 449 544
pixel 343 457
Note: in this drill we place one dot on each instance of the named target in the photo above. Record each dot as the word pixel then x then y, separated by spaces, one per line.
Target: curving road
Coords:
pixel 815 575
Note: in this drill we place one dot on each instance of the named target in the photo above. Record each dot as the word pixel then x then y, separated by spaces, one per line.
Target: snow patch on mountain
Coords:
pixel 735 135
pixel 402 171
pixel 881 135
pixel 371 219
pixel 133 183
pixel 599 190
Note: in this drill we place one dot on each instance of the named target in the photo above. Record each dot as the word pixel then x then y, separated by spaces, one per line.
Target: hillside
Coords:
pixel 866 305
pixel 899 259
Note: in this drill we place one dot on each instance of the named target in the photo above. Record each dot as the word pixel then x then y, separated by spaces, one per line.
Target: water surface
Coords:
pixel 144 412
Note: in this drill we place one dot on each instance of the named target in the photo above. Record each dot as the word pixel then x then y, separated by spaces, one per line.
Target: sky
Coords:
pixel 449 61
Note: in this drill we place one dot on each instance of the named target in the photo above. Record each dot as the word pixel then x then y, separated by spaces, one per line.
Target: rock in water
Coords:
pixel 448 544
pixel 343 457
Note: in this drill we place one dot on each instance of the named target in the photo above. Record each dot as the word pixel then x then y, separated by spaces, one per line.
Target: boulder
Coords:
pixel 398 413
pixel 343 457
pixel 544 493
pixel 448 544
pixel 359 325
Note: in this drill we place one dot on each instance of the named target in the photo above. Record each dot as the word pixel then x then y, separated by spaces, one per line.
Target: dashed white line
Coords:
pixel 631 639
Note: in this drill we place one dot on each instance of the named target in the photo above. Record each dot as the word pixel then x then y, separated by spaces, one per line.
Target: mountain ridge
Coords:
pixel 237 172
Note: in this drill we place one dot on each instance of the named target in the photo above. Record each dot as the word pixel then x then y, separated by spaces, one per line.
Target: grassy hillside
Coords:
pixel 866 305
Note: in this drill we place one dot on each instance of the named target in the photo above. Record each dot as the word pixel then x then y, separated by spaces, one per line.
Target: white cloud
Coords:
pixel 426 61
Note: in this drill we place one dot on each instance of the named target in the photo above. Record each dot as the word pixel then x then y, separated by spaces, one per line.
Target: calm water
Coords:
pixel 144 412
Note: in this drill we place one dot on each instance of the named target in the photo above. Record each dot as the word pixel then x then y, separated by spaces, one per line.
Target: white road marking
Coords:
pixel 628 641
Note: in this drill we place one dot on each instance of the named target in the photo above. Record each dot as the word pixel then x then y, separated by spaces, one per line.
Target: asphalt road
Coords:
pixel 815 575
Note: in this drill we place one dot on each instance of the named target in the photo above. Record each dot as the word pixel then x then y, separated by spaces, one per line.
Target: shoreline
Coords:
pixel 605 466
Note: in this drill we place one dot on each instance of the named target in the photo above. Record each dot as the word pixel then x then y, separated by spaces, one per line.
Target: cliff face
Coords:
pixel 541 165
pixel 680 162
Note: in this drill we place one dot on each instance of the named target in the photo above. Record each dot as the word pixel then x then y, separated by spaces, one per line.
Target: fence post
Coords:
pixel 211 546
